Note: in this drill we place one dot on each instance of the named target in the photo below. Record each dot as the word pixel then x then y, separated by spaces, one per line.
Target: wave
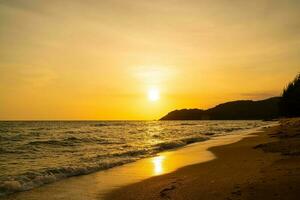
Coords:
pixel 179 143
pixel 11 151
pixel 132 153
pixel 41 129
pixel 71 141
pixel 32 180
pixel 100 124
pixel 108 124
pixel 17 137
pixel 233 129
pixel 87 140
pixel 114 124
pixel 4 130
pixel 51 142
pixel 187 124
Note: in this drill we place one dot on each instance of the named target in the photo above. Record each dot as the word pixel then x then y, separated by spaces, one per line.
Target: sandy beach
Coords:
pixel 265 166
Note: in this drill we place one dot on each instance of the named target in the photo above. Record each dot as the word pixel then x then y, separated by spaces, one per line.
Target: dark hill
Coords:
pixel 235 110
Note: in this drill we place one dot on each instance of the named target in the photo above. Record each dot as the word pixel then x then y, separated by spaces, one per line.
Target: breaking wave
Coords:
pixel 31 180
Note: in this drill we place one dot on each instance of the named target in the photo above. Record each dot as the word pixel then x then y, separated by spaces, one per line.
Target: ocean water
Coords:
pixel 41 152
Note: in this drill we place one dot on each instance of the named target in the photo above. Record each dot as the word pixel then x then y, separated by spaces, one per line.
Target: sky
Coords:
pixel 100 60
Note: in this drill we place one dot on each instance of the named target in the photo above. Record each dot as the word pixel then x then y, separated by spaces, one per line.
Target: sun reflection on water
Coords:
pixel 158 165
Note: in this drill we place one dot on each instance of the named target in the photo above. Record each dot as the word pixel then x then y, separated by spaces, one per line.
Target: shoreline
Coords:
pixel 103 182
pixel 247 169
pixel 98 159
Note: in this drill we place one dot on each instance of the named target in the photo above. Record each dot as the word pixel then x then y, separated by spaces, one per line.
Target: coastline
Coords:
pixel 253 168
pixel 97 185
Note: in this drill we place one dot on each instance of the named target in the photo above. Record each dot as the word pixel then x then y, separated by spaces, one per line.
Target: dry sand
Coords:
pixel 266 166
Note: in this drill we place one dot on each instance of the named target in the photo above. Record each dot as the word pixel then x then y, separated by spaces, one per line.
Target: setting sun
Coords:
pixel 153 94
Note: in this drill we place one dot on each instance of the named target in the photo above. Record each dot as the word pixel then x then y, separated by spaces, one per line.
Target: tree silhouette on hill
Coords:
pixel 290 100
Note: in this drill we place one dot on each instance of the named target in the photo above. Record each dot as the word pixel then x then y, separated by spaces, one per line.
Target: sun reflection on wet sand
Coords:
pixel 158 165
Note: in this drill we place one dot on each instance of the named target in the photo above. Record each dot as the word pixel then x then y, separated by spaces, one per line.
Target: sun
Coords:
pixel 153 94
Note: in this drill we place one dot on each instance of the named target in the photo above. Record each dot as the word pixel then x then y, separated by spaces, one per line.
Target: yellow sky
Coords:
pixel 91 59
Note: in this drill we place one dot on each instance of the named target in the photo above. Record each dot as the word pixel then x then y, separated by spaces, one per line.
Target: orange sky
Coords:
pixel 88 59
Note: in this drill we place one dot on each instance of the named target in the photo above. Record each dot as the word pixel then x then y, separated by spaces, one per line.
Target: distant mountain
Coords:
pixel 234 110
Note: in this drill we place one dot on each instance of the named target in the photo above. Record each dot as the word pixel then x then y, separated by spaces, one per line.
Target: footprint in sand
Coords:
pixel 237 191
pixel 165 193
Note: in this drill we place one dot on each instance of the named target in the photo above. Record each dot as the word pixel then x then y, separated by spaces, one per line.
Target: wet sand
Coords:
pixel 266 166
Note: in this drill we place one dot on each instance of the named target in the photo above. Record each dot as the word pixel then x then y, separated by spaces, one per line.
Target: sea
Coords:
pixel 34 153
